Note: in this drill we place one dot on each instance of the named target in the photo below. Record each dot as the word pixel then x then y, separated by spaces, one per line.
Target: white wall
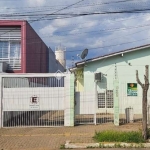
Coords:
pixel 19 99
pixel 54 65
pixel 85 102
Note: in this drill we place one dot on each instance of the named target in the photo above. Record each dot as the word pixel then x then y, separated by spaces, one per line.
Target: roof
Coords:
pixel 112 54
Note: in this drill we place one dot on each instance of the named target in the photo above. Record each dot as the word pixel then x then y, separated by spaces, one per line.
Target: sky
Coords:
pixel 99 33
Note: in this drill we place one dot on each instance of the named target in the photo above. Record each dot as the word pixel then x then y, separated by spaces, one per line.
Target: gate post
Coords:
pixel 116 102
pixel 69 100
pixel 1 121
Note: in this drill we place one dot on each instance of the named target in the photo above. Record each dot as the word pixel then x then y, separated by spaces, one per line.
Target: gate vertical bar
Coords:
pixel 116 102
pixel 95 104
pixel 116 98
pixel 1 108
pixel 72 90
pixel 69 100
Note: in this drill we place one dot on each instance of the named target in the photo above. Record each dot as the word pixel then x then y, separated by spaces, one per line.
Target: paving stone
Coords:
pixel 53 137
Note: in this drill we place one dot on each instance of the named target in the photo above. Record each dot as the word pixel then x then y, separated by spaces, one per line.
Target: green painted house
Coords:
pixel 111 79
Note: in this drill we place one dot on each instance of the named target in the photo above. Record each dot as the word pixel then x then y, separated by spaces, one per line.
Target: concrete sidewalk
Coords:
pixel 53 137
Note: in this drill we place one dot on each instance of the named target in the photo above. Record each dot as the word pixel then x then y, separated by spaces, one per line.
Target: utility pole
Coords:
pixel 145 88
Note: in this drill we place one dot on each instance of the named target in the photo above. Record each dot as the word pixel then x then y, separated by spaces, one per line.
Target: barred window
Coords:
pixel 109 99
pixel 10 52
pixel 10 47
pixel 105 100
pixel 4 46
pixel 101 100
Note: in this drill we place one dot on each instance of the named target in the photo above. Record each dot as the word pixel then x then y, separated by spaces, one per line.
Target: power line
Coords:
pixel 106 41
pixel 97 31
pixel 52 13
pixel 88 4
pixel 89 14
pixel 112 45
pixel 59 10
pixel 102 30
pixel 55 6
pixel 101 41
pixel 78 14
pixel 100 47
pixel 114 20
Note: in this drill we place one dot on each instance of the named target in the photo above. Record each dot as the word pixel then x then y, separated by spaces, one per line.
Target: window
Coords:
pixel 4 48
pixel 15 49
pixel 101 100
pixel 10 47
pixel 10 52
pixel 109 99
pixel 105 100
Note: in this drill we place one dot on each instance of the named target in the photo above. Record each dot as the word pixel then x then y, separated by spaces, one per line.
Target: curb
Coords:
pixel 105 145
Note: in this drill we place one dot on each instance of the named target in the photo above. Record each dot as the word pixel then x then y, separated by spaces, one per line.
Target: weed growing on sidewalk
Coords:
pixel 62 146
pixel 118 136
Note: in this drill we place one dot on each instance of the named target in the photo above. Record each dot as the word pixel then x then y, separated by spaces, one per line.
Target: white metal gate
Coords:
pixel 84 107
pixel 90 108
pixel 33 100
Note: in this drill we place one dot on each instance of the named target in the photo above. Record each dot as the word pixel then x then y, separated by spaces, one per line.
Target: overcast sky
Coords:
pixel 101 33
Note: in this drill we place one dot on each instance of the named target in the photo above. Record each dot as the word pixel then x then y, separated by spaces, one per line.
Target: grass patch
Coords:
pixel 62 146
pixel 119 136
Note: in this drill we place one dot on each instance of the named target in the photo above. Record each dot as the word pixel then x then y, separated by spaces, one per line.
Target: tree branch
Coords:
pixel 147 71
pixel 145 88
pixel 146 76
pixel 138 80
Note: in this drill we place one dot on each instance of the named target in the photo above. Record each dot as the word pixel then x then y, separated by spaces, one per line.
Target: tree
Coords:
pixel 145 88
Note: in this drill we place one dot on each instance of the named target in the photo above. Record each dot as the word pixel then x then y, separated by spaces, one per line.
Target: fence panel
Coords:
pixel 94 106
pixel 84 107
pixel 99 108
pixel 33 101
pixel 130 104
pixel 105 103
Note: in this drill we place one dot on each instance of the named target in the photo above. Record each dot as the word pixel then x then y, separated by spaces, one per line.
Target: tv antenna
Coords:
pixel 84 53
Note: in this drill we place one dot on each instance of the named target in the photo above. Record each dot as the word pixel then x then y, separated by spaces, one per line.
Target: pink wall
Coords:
pixel 15 23
pixel 36 52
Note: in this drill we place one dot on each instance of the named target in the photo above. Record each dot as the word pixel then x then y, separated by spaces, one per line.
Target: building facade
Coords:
pixel 121 67
pixel 23 50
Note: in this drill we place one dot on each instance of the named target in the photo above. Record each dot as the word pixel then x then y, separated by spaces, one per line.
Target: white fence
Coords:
pixel 99 108
pixel 42 100
pixel 36 100
pixel 21 99
pixel 85 107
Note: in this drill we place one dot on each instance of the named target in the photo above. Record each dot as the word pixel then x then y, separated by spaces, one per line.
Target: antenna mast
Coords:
pixel 72 61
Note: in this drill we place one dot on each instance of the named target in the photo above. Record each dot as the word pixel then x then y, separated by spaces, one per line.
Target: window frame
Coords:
pixel 9 58
pixel 103 99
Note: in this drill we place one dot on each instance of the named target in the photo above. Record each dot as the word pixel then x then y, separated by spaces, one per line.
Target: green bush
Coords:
pixel 148 134
pixel 118 136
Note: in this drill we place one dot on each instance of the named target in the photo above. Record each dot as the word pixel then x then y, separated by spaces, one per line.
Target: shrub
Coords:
pixel 118 136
